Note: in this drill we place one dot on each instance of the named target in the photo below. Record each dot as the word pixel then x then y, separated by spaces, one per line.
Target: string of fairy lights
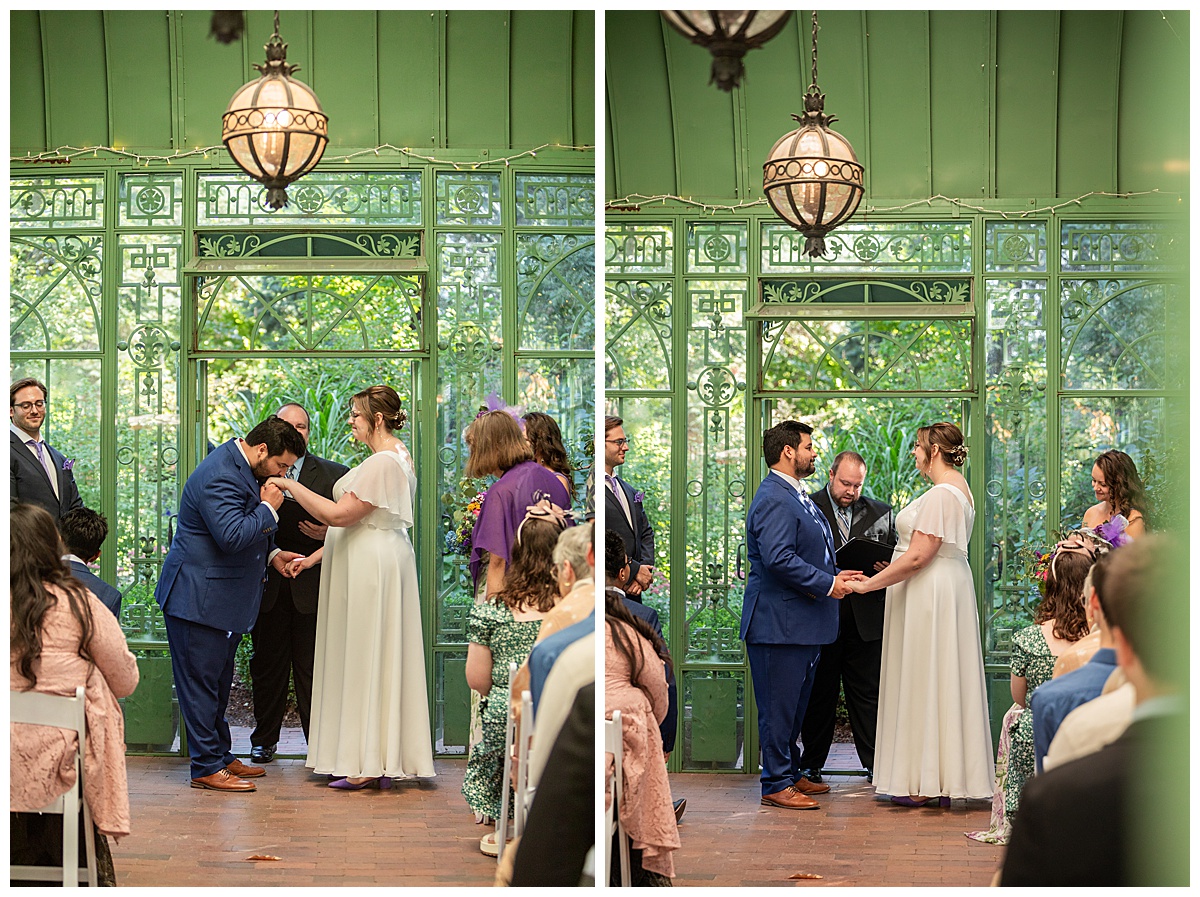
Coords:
pixel 635 202
pixel 64 155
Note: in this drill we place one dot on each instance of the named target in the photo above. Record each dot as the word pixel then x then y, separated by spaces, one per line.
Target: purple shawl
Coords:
pixel 504 509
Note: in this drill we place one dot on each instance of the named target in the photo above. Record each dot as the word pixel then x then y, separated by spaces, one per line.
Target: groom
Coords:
pixel 789 608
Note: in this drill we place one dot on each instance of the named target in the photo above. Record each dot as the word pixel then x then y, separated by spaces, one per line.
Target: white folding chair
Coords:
pixel 510 736
pixel 522 792
pixel 38 709
pixel 615 746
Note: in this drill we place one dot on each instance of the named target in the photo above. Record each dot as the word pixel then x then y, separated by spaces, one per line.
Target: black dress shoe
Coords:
pixel 680 805
pixel 870 775
pixel 262 753
pixel 813 775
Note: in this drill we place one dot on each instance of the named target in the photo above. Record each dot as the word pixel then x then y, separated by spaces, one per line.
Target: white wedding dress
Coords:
pixel 370 710
pixel 933 736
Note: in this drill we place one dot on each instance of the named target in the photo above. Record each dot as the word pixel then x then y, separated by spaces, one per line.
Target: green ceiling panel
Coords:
pixel 76 93
pixel 139 75
pixel 410 78
pixel 841 75
pixel 1026 115
pixel 703 122
pixel 541 92
pixel 898 66
pixel 1152 146
pixel 344 74
pixel 635 69
pixel 1087 101
pixel 960 114
pixel 477 97
pixel 772 91
pixel 294 27
pixel 583 78
pixel 210 73
pixel 26 90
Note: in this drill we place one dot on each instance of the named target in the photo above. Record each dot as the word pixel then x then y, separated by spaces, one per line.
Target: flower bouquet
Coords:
pixel 458 539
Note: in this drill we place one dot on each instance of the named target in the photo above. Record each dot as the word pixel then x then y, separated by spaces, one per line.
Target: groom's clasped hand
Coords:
pixel 843 582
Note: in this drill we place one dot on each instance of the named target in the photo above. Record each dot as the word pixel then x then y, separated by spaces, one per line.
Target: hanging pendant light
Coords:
pixel 727 34
pixel 274 127
pixel 812 178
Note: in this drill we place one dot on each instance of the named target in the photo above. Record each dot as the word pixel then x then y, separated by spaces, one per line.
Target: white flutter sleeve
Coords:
pixel 941 514
pixel 382 481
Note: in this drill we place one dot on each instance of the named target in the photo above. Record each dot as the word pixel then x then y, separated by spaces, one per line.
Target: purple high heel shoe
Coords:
pixel 906 801
pixel 383 783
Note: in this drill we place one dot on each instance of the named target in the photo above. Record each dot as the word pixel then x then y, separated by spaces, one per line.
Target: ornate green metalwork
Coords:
pixel 468 199
pixel 634 248
pixel 1015 246
pixel 150 200
pixel 387 198
pixel 346 244
pixel 638 323
pixel 944 290
pixel 1114 334
pixel 899 247
pixel 57 202
pixel 555 200
pixel 1110 247
pixel 718 248
pixel 55 293
pixel 556 276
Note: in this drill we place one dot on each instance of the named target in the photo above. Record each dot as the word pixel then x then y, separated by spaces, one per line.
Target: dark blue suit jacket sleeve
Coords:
pixel 775 527
pixel 224 513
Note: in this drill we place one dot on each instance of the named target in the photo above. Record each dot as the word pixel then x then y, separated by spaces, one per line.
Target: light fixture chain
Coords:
pixel 277 27
pixel 814 80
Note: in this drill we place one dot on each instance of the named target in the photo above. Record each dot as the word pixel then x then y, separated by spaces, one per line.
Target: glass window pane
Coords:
pixel 57 202
pixel 556 291
pixel 909 247
pixel 638 331
pixel 150 200
pixel 471 199
pixel 556 200
pixel 55 285
pixel 1105 246
pixel 638 249
pixel 717 248
pixel 387 198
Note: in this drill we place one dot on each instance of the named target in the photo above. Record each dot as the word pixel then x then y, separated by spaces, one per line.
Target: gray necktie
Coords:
pixel 843 522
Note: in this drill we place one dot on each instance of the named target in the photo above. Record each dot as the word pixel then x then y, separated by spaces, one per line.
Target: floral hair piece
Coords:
pixel 1085 541
pixel 544 509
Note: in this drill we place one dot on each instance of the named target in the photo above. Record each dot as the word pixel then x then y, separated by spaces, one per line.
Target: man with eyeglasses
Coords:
pixel 40 474
pixel 624 513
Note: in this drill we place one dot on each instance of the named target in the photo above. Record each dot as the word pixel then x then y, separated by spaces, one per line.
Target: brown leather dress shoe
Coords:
pixel 246 771
pixel 803 785
pixel 223 780
pixel 789 799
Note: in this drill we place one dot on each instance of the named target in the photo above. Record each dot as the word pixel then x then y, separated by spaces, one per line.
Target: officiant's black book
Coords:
pixel 863 554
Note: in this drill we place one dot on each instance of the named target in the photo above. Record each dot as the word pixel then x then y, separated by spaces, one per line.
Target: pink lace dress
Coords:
pixel 645 806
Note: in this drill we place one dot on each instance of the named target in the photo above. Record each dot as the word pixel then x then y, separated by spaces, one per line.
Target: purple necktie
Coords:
pixel 37 445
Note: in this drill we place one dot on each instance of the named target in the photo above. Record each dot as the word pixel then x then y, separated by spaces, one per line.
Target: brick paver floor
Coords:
pixel 854 839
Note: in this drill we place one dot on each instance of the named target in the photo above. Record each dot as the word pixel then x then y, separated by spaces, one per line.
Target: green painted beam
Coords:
pixel 137 52
pixel 1026 54
pixel 1087 101
pixel 960 108
pixel 26 87
pixel 344 76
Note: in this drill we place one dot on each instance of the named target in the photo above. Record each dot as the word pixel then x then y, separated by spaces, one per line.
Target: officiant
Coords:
pixel 853 660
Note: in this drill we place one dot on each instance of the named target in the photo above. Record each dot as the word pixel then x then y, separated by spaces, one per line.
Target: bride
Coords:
pixel 934 740
pixel 370 711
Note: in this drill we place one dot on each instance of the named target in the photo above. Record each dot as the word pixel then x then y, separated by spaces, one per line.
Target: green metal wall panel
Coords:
pixel 714 717
pixel 540 84
pixel 294 28
pixel 583 78
pixel 477 60
pixel 1152 143
pixel 139 65
pixel 703 122
pixel 841 74
pixel 960 114
pixel 772 91
pixel 640 118
pixel 898 66
pixel 209 74
pixel 1087 101
pixel 26 90
pixel 410 78
pixel 344 72
pixel 1026 54
pixel 76 94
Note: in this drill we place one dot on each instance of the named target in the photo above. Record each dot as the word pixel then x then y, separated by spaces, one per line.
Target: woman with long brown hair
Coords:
pixel 545 440
pixel 61 637
pixel 1119 493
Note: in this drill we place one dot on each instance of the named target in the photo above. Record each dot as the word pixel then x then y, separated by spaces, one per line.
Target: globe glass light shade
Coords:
pixel 275 131
pixel 727 34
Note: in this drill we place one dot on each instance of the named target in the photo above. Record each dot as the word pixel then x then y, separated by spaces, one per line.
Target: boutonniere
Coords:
pixel 68 464
pixel 639 497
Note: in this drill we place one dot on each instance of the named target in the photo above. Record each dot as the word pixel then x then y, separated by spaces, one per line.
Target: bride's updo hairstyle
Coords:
pixel 949 440
pixel 380 400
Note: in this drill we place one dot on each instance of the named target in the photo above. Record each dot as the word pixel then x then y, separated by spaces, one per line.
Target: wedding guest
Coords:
pixel 545 441
pixel 498 448
pixel 370 708
pixel 1119 493
pixel 500 631
pixel 634 685
pixel 38 473
pixel 83 531
pixel 1059 621
pixel 1052 701
pixel 933 743
pixel 1094 724
pixel 624 510
pixel 62 637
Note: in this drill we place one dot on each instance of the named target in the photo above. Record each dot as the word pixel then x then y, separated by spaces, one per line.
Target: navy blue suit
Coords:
pixel 787 615
pixel 109 596
pixel 209 590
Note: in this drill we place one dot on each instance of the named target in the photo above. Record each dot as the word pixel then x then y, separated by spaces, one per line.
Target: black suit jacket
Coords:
pixel 28 481
pixel 319 475
pixel 869 519
pixel 638 537
pixel 109 596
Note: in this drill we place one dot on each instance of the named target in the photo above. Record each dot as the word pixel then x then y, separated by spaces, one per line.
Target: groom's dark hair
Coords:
pixel 783 434
pixel 278 436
